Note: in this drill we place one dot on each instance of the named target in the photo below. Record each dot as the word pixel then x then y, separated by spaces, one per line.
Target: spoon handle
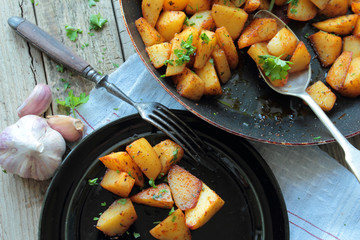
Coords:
pixel 352 155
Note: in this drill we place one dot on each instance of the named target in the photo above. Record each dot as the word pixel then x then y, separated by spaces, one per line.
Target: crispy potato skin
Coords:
pixel 327 47
pixel 121 161
pixel 185 187
pixel 225 42
pixel 159 53
pixel 221 64
pixel 342 25
pixel 282 44
pixel 155 197
pixel 337 73
pixel 169 154
pixel 322 95
pixel 148 33
pixel 206 44
pixel 172 227
pixel 209 76
pixel 335 8
pixel 119 183
pixel 145 157
pixel 352 44
pixel 251 5
pixel 351 86
pixel 303 11
pixel 321 4
pixel 189 85
pixel 259 30
pixel 170 23
pixel 301 58
pixel 117 219
pixel 151 10
pixel 201 20
pixel 195 6
pixel 175 5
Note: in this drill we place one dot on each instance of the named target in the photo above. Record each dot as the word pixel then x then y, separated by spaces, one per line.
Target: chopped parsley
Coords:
pixel 71 101
pixel 157 222
pixel 66 83
pixel 103 204
pixel 60 68
pixel 152 183
pixel 136 235
pixel 274 67
pixel 72 33
pixel 93 182
pixel 187 50
pixel 92 3
pixel 168 61
pixel 317 138
pixel 4 171
pixel 116 65
pixel 173 218
pixel 83 46
pixel 95 218
pixel 122 201
pixel 205 38
pixel 97 22
pixel 171 211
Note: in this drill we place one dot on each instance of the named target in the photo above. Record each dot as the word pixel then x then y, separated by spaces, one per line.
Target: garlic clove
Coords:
pixel 70 128
pixel 37 102
pixel 31 149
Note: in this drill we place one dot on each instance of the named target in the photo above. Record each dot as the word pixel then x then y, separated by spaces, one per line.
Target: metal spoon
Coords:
pixel 296 86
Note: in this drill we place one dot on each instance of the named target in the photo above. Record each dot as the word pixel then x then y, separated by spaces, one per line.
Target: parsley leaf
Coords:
pixel 93 182
pixel 72 33
pixel 60 68
pixel 187 50
pixel 136 235
pixel 92 2
pixel 122 201
pixel 171 211
pixel 152 183
pixel 205 38
pixel 97 22
pixel 71 101
pixel 274 67
pixel 293 2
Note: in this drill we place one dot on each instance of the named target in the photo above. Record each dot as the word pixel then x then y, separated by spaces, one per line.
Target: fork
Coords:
pixel 155 113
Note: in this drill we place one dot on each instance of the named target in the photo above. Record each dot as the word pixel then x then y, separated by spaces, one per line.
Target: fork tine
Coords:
pixel 178 138
pixel 183 127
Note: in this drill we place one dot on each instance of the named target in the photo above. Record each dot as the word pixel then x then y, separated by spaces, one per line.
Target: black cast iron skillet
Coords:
pixel 248 107
pixel 254 207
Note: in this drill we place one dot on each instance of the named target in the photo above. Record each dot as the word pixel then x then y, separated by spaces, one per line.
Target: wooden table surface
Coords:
pixel 22 67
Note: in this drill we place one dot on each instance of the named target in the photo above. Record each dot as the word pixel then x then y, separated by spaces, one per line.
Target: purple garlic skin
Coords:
pixel 37 102
pixel 31 149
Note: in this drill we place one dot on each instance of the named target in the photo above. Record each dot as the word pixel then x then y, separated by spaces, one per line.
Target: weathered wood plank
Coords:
pixel 21 69
pixel 103 51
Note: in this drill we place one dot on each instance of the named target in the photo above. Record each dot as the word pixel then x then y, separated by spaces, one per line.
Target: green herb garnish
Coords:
pixel 71 101
pixel 136 235
pixel 97 22
pixel 274 67
pixel 171 211
pixel 122 201
pixel 72 33
pixel 187 50
pixel 92 2
pixel 93 182
pixel 205 38
pixel 103 204
pixel 152 183
pixel 60 68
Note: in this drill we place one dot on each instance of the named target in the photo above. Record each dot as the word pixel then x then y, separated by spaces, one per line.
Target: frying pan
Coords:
pixel 248 107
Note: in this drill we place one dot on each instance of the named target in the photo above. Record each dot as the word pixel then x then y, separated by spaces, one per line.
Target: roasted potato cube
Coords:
pixel 233 19
pixel 206 44
pixel 259 30
pixel 355 7
pixel 169 23
pixel 259 49
pixel 351 86
pixel 151 10
pixel 173 227
pixel 119 183
pixel 322 95
pixel 280 2
pixel 264 5
pixel 251 5
pixel 195 6
pixel 327 46
pixel 208 204
pixel 225 42
pixel 300 58
pixel 221 64
pixel 184 186
pixel 321 4
pixel 189 85
pixel 175 5
pixel 343 25
pixel 159 53
pixel 352 44
pixel 169 154
pixel 304 10
pixel 155 197
pixel 148 33
pixel 282 44
pixel 145 157
pixel 117 219
pixel 201 20
pixel 238 3
pixel 356 31
pixel 337 73
pixel 208 74
pixel 224 3
pixel 121 161
pixel 335 8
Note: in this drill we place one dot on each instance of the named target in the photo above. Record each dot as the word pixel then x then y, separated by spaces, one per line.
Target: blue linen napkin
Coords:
pixel 322 197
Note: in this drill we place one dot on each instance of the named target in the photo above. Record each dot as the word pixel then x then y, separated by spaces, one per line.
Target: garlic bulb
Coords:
pixel 37 102
pixel 70 128
pixel 31 149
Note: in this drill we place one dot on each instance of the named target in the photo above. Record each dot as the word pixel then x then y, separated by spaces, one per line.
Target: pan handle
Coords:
pixel 53 48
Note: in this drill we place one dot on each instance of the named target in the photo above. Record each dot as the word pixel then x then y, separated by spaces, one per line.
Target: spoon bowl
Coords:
pixel 296 86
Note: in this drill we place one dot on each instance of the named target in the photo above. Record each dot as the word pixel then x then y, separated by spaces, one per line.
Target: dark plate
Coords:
pixel 248 107
pixel 254 207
